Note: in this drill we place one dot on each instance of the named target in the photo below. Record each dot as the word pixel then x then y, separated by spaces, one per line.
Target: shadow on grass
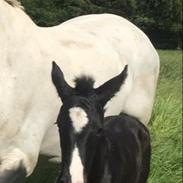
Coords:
pixel 45 172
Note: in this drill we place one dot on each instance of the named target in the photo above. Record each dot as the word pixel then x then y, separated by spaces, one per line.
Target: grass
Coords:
pixel 165 127
pixel 166 123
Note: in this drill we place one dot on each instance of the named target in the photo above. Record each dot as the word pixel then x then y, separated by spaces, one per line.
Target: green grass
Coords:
pixel 165 127
pixel 166 123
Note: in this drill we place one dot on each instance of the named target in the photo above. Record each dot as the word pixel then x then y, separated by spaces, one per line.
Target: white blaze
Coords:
pixel 76 168
pixel 79 118
pixel 79 121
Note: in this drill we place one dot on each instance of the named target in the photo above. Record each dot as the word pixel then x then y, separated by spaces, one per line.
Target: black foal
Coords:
pixel 95 149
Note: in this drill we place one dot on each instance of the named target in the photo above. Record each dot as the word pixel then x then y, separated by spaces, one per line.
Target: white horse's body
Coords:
pixel 98 45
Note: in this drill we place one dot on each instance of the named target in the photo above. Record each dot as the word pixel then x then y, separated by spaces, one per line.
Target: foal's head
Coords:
pixel 84 104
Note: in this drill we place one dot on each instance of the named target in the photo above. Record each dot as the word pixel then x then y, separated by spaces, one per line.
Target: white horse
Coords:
pixel 98 45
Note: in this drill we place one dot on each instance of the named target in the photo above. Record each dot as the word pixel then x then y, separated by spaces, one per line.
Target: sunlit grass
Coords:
pixel 166 123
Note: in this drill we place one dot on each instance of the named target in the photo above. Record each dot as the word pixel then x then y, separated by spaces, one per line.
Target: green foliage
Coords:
pixel 162 21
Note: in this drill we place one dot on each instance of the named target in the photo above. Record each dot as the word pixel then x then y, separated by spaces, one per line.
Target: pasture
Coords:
pixel 165 127
pixel 166 121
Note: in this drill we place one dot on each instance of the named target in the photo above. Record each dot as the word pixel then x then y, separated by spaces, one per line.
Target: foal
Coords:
pixel 114 149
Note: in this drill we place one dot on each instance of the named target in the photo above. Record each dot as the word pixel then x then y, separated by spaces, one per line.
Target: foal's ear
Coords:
pixel 63 88
pixel 106 91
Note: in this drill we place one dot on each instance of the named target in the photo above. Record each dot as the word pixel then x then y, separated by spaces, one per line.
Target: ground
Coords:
pixel 165 127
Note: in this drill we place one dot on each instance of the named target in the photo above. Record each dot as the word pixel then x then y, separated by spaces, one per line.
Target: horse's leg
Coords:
pixel 19 155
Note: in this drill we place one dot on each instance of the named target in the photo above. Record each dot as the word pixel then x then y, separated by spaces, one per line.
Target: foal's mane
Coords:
pixel 14 3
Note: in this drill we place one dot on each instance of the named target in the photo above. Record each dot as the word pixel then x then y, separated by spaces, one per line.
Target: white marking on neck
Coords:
pixel 79 118
pixel 76 167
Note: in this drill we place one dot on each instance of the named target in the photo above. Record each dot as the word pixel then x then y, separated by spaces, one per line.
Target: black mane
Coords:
pixel 84 85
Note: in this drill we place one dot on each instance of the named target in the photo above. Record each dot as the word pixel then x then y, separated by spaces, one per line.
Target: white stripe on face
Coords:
pixel 79 118
pixel 76 167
